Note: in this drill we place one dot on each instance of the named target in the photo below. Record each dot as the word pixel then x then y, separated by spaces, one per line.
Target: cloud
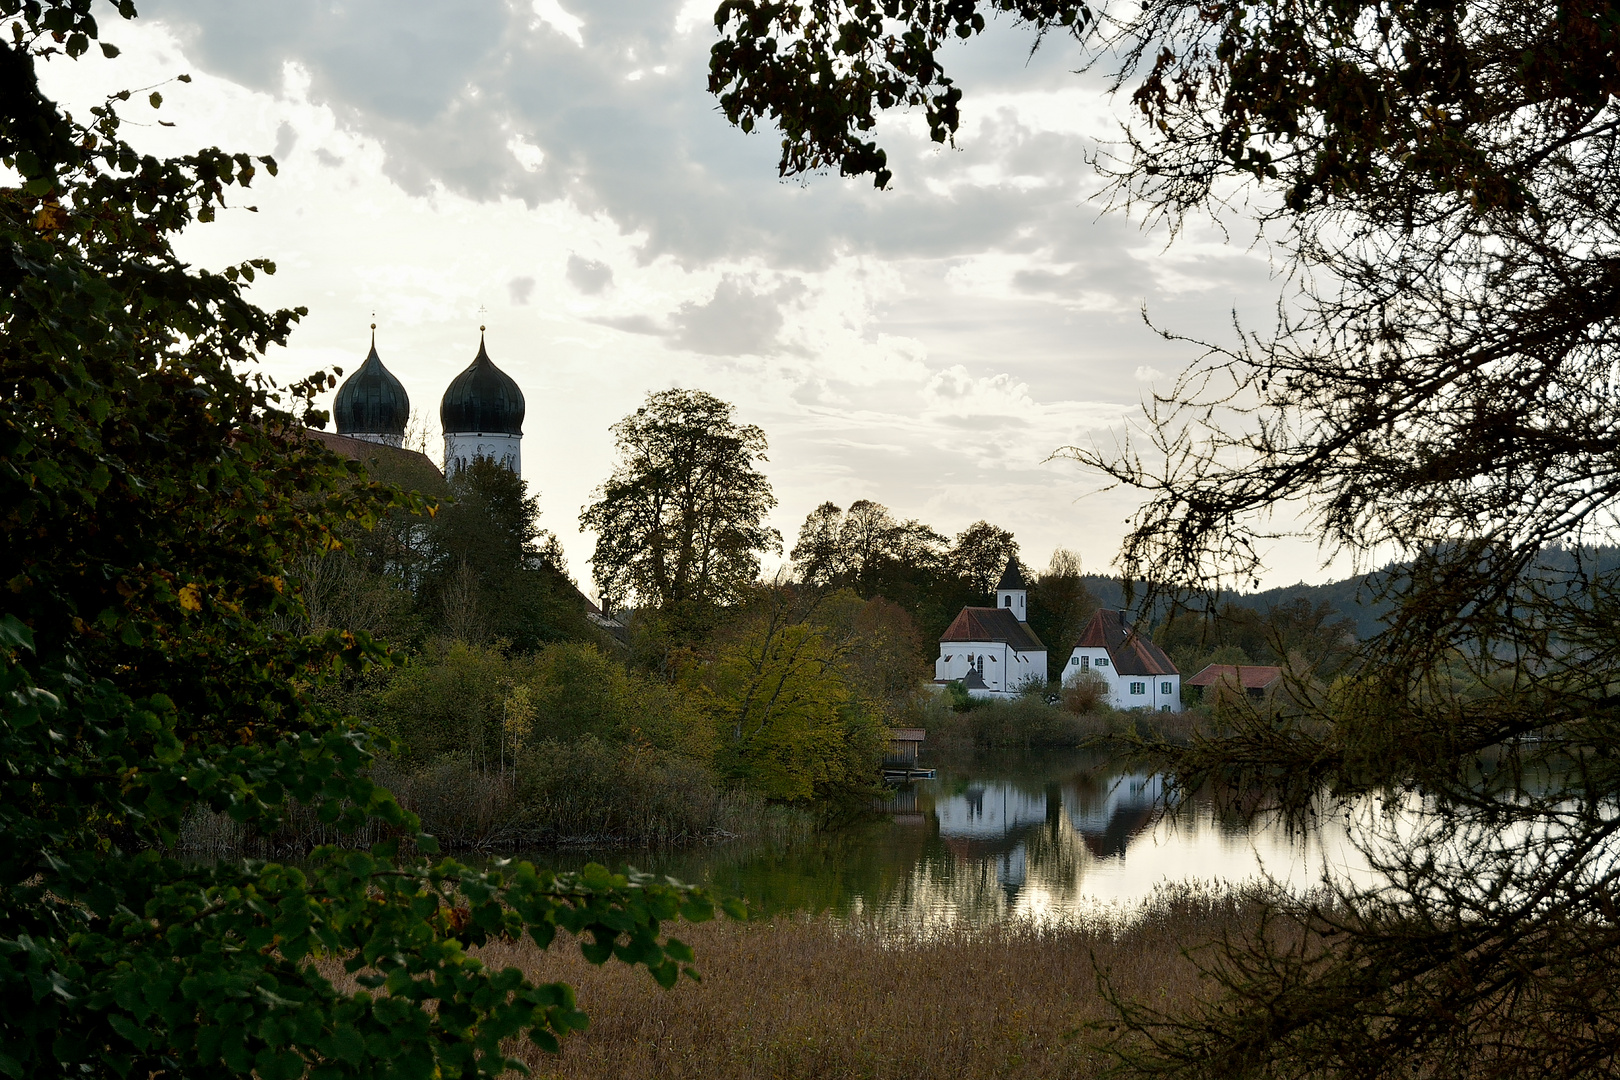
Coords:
pixel 327 158
pixel 632 324
pixel 286 139
pixel 568 25
pixel 444 97
pixel 588 275
pixel 736 321
pixel 520 289
pixel 1147 374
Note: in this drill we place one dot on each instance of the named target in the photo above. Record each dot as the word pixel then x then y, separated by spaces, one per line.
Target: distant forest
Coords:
pixel 1358 598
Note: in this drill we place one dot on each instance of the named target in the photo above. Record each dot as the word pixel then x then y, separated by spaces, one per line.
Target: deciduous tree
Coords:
pixel 156 491
pixel 980 554
pixel 1443 180
pixel 681 522
pixel 1060 605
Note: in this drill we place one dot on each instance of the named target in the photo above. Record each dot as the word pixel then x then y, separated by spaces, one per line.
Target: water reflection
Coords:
pixel 1020 836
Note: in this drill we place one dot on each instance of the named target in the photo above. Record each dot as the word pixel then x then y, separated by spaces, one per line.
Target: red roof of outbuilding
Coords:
pixel 992 624
pixel 1248 676
pixel 1131 653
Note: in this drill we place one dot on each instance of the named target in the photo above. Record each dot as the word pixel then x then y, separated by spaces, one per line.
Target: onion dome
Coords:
pixel 482 399
pixel 371 403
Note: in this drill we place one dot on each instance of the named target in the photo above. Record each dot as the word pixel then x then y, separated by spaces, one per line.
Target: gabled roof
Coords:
pixel 408 469
pixel 992 624
pixel 1248 676
pixel 1131 653
pixel 1012 577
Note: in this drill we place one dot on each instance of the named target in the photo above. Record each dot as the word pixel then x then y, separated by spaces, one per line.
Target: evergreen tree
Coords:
pixel 491 571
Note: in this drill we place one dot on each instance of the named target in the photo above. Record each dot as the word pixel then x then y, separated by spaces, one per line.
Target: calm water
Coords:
pixel 1036 835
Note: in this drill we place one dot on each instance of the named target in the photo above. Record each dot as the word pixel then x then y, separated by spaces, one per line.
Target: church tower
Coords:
pixel 371 404
pixel 482 415
pixel 1011 591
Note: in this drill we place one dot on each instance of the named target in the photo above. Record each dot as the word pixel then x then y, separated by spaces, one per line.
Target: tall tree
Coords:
pixel 980 554
pixel 681 522
pixel 818 555
pixel 491 571
pixel 156 491
pixel 1060 604
pixel 1445 177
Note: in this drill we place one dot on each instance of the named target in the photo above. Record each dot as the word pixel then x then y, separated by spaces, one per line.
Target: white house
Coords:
pixel 1138 673
pixel 992 649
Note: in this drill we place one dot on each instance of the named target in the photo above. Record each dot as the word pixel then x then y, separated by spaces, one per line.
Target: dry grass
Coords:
pixel 804 997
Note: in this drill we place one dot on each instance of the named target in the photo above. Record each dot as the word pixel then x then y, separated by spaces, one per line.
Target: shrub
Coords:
pixel 1087 693
pixel 1026 721
pixel 481 702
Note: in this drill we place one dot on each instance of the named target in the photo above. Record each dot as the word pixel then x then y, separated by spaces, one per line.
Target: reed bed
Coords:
pixel 813 998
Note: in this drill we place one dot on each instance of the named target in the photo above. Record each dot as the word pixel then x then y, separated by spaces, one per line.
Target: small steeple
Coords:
pixel 1011 593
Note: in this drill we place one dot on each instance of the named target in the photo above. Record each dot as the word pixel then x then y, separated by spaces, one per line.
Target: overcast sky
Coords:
pixel 556 171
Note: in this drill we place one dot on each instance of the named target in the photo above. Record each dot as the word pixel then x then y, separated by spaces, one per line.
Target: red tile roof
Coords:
pixel 1131 653
pixel 1248 676
pixel 992 624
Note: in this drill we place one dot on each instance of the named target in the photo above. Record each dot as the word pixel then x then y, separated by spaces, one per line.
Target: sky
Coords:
pixel 557 172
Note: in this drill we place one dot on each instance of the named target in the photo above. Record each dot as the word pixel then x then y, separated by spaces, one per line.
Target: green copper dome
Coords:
pixel 371 401
pixel 482 399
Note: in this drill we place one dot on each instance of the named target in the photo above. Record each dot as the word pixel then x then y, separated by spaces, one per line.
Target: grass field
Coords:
pixel 808 998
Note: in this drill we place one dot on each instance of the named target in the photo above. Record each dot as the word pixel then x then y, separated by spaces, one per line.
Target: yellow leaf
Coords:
pixel 191 598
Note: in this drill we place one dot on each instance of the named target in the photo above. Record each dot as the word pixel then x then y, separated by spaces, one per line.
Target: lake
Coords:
pixel 1033 835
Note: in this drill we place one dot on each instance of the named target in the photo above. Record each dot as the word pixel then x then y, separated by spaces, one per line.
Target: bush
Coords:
pixel 481 702
pixel 587 791
pixel 1026 722
pixel 1088 693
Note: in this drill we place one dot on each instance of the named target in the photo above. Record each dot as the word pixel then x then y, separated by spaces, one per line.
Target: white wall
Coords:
pixel 460 448
pixel 1155 696
pixel 1005 668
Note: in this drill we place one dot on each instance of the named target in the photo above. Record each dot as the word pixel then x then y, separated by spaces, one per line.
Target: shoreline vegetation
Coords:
pixel 592 792
pixel 1035 721
pixel 1008 1000
pixel 625 763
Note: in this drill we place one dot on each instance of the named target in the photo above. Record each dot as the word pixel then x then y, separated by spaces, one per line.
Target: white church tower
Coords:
pixel 482 416
pixel 1011 592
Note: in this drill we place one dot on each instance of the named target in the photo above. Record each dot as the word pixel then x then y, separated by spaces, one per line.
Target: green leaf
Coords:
pixel 156 99
pixel 14 634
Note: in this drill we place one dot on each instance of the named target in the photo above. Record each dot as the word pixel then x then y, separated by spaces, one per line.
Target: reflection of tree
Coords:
pixel 1108 811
